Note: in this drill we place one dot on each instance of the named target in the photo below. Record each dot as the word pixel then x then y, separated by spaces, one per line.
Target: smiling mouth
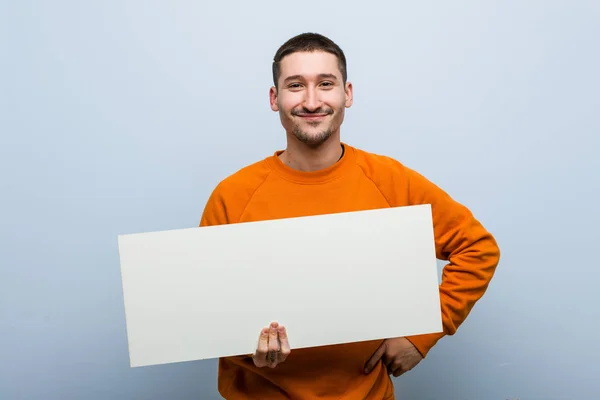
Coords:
pixel 312 116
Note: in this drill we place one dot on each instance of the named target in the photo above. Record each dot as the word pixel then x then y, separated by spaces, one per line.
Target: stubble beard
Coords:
pixel 312 140
pixel 315 139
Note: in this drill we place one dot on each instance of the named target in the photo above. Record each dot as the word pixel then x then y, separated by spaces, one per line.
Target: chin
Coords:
pixel 313 139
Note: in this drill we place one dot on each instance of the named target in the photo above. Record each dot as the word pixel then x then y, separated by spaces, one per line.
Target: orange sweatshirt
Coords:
pixel 269 189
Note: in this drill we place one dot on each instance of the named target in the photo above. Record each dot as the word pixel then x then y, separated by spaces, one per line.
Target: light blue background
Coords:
pixel 121 117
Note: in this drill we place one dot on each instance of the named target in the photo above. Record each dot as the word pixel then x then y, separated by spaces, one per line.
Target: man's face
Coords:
pixel 311 97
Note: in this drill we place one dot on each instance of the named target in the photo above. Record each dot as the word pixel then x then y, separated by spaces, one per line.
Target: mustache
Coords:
pixel 304 111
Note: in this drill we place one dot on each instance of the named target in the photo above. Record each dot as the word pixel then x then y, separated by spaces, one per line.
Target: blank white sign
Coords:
pixel 207 292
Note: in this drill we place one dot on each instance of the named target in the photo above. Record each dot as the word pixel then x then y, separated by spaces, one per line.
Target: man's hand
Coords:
pixel 273 346
pixel 398 355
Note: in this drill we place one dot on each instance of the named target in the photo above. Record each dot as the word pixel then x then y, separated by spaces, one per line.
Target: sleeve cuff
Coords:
pixel 424 343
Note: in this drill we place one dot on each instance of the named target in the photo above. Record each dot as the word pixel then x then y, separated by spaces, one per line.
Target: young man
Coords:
pixel 319 174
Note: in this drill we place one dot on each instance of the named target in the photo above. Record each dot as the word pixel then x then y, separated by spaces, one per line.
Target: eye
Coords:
pixel 294 85
pixel 327 84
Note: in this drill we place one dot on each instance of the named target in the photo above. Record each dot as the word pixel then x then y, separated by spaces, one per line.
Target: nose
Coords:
pixel 311 100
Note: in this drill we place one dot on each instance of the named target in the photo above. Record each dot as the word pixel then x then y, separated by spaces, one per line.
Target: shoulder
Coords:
pixel 246 179
pixel 230 197
pixel 386 172
pixel 376 165
pixel 399 183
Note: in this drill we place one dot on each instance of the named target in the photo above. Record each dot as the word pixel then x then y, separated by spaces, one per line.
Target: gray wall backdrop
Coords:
pixel 121 117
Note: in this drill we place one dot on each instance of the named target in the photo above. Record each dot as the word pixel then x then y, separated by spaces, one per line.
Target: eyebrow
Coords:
pixel 300 77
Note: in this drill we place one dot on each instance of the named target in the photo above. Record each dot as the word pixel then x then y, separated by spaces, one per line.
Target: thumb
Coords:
pixel 375 358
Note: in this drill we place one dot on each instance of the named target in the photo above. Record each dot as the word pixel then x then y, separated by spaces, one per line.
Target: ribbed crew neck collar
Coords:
pixel 314 177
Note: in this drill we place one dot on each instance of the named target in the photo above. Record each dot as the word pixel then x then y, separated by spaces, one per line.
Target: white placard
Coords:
pixel 206 292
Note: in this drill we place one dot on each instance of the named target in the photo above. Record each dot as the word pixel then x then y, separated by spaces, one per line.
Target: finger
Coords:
pixel 284 343
pixel 274 337
pixel 375 358
pixel 273 346
pixel 399 371
pixel 388 361
pixel 263 341
pixel 390 369
pixel 262 348
pixel 400 367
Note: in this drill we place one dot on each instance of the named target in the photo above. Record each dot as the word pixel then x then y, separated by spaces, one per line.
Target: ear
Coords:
pixel 349 95
pixel 273 98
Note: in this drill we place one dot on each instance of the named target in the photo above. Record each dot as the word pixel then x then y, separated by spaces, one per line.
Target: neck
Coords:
pixel 305 158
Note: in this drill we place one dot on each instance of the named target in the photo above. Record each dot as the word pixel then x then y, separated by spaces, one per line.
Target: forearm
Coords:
pixel 472 254
pixel 464 281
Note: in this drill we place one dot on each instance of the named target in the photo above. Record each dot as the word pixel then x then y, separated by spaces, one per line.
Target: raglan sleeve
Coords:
pixel 471 251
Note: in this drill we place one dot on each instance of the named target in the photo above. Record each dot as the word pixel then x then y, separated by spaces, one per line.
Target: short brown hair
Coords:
pixel 308 42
